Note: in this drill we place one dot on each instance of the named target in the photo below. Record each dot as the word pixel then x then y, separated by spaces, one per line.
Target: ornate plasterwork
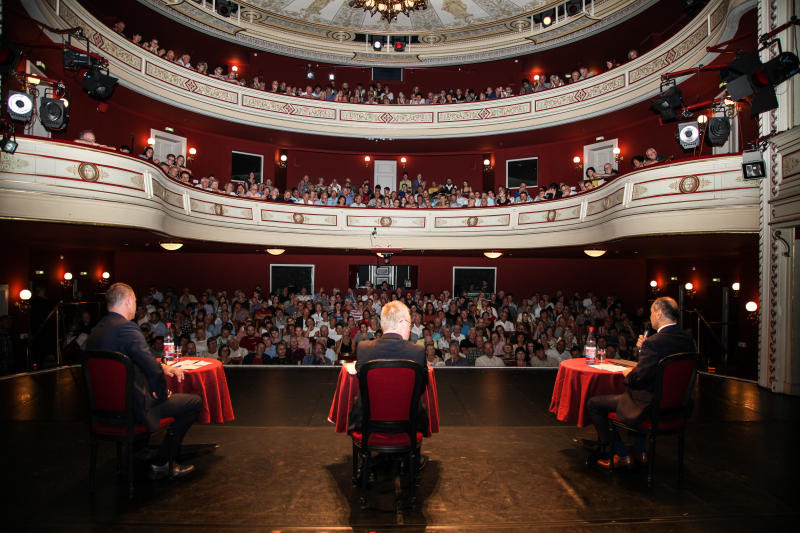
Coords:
pixel 449 31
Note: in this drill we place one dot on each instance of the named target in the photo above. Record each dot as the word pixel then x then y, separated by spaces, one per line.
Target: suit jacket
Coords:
pixel 117 334
pixel 633 406
pixel 389 346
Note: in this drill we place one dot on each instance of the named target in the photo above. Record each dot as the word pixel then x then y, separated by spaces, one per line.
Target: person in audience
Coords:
pixel 651 157
pixel 489 359
pixel 559 351
pixel 317 357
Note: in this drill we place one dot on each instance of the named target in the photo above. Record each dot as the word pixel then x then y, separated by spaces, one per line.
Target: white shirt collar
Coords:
pixel 665 325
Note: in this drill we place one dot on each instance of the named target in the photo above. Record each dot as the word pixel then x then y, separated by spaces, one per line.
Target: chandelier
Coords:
pixel 389 9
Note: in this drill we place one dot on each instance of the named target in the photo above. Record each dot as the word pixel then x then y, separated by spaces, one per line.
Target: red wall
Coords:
pixel 522 276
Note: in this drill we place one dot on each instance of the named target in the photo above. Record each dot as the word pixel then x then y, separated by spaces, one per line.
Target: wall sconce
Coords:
pixel 235 70
pixel 703 121
pixel 654 287
pixel 24 302
pixel 487 164
pixel 689 288
pixel 403 161
pixel 151 141
pixel 192 154
pixel 618 155
pixel 367 160
pixel 577 162
pixel 752 311
pixel 105 279
pixel 735 286
pixel 283 159
pixel 67 281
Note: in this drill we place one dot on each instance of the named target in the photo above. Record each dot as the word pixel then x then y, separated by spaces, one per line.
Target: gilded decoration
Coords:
pixel 219 210
pixel 551 215
pixel 521 108
pixel 386 221
pixel 12 162
pixel 670 56
pixel 88 172
pixel 581 95
pixel 182 82
pixel 472 222
pixel 298 218
pixel 689 184
pixel 639 191
pixel 137 180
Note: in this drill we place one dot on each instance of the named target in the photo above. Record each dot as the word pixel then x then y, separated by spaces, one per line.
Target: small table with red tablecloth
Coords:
pixel 576 382
pixel 347 389
pixel 207 381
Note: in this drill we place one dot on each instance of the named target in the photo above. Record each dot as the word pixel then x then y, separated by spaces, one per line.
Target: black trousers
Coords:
pixel 599 407
pixel 184 408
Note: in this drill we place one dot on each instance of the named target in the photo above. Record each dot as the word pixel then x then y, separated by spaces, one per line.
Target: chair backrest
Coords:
pixel 390 392
pixel 674 383
pixel 109 386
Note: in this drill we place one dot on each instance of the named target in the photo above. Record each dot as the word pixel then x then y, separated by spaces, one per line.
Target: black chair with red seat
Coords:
pixel 109 388
pixel 671 407
pixel 390 391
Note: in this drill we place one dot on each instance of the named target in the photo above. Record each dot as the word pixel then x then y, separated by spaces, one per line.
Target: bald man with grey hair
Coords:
pixel 394 344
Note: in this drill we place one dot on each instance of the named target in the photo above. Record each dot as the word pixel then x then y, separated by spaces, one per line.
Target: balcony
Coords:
pixel 71 183
pixel 635 81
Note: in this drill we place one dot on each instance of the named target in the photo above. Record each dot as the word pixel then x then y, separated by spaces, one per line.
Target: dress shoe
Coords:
pixel 162 471
pixel 619 462
pixel 423 460
pixel 640 457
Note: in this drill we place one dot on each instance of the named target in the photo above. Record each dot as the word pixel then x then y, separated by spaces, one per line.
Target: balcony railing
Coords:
pixel 637 80
pixel 66 182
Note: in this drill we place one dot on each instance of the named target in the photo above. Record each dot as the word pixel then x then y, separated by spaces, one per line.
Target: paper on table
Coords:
pixel 610 367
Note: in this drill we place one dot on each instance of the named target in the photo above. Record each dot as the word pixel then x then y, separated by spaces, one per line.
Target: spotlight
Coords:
pixel 53 113
pixel 377 44
pixel 399 46
pixel 689 135
pixel 746 76
pixel 99 84
pixel 76 59
pixel 667 103
pixel 547 18
pixel 8 144
pixel 20 106
pixel 226 8
pixel 719 128
pixel 753 166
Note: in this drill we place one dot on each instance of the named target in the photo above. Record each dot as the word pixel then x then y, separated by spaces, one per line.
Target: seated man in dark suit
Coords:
pixel 633 405
pixel 394 344
pixel 153 401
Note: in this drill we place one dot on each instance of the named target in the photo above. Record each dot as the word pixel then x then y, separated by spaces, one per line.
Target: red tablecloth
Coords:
pixel 576 382
pixel 210 384
pixel 347 390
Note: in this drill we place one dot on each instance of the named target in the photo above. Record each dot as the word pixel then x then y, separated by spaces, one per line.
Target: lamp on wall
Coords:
pixel 577 162
pixel 367 160
pixel 735 286
pixel 618 154
pixel 192 154
pixel 487 163
pixel 24 302
pixel 690 289
pixel 654 287
pixel 283 159
pixel 752 311
pixel 67 281
pixel 403 161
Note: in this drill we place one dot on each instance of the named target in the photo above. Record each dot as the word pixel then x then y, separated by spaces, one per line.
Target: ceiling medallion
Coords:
pixel 389 9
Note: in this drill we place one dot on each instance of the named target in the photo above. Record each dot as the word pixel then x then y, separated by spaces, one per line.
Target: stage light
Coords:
pixel 377 44
pixel 718 131
pixel 75 59
pixel 547 20
pixel 20 106
pixel 702 119
pixel 275 251
pixel 8 144
pixel 689 135
pixel 667 103
pixel 753 166
pixel 226 8
pixel 399 46
pixel 594 252
pixel 171 246
pixel 53 113
pixel 100 85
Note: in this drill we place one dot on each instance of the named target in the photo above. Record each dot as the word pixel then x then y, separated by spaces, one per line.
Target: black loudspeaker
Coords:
pixel 53 113
pixel 20 106
pixel 670 100
pixel 718 130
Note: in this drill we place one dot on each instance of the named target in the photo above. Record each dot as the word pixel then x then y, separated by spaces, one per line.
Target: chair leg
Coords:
pixel 355 464
pixel 130 469
pixel 413 463
pixel 651 459
pixel 364 477
pixel 680 458
pixel 92 464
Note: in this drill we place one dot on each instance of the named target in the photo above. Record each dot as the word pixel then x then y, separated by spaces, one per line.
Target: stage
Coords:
pixel 501 463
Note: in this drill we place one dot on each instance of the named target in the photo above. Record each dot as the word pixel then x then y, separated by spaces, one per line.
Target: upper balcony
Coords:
pixel 635 81
pixel 72 183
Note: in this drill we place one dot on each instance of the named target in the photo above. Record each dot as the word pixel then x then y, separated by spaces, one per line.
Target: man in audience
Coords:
pixel 454 356
pixel 317 357
pixel 559 352
pixel 540 358
pixel 488 359
pixel 211 351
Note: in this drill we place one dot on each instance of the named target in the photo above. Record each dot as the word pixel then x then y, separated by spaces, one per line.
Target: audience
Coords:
pixel 473 329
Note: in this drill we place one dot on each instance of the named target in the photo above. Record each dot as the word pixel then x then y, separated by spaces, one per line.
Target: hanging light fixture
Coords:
pixel 275 251
pixel 171 246
pixel 389 9
pixel 493 255
pixel 594 252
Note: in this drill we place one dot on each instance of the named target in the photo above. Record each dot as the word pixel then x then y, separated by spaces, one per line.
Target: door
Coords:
pixel 386 173
pixel 166 143
pixel 598 154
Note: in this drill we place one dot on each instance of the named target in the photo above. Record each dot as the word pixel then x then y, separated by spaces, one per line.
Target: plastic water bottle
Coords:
pixel 590 349
pixel 169 346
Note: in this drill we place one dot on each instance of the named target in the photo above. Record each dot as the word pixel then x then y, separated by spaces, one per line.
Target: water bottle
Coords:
pixel 590 349
pixel 169 346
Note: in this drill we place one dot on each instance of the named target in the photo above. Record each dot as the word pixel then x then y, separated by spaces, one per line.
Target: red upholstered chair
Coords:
pixel 390 391
pixel 109 388
pixel 672 405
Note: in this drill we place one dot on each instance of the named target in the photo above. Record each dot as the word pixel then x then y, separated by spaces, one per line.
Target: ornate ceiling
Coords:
pixel 448 32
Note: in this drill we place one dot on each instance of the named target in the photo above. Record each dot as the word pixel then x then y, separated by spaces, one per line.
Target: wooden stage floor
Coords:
pixel 501 463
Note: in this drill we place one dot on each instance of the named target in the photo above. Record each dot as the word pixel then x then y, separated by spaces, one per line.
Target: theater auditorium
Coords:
pixel 399 265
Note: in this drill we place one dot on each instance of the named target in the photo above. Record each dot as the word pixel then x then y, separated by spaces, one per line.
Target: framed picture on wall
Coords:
pixel 519 171
pixel 292 277
pixel 474 280
pixel 242 164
